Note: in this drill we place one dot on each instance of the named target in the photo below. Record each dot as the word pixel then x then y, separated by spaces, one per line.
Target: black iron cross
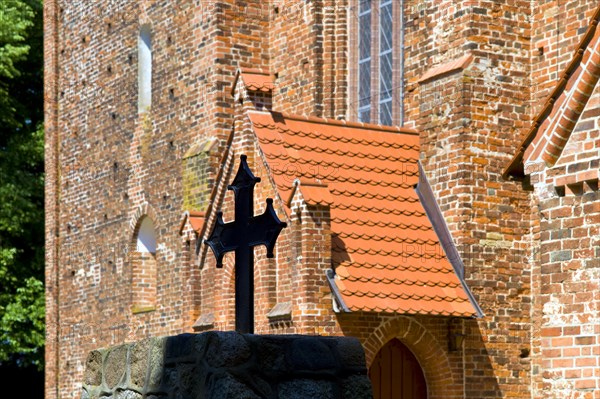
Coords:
pixel 241 236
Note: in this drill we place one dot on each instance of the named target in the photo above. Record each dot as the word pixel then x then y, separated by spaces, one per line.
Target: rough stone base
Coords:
pixel 229 365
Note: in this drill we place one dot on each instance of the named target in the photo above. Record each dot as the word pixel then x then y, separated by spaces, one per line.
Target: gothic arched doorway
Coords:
pixel 396 374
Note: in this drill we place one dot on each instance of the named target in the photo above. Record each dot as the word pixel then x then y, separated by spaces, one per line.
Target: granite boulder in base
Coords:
pixel 228 365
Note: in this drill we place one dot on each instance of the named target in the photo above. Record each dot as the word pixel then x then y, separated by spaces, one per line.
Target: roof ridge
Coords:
pixel 338 122
pixel 312 183
pixel 516 168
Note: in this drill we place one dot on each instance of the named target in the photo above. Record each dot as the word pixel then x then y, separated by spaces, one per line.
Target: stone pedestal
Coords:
pixel 228 365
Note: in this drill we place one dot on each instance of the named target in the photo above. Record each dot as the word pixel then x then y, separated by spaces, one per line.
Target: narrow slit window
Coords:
pixel 145 69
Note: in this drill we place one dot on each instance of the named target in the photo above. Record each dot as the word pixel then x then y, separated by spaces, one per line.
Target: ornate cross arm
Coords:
pixel 222 239
pixel 265 229
pixel 262 230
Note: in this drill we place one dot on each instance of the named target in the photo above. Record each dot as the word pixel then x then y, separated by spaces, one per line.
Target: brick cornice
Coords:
pixel 446 68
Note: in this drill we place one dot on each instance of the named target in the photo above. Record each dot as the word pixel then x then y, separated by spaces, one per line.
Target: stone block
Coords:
pixel 155 365
pixel 229 365
pixel 358 386
pixel 351 353
pixel 305 388
pixel 226 349
pixel 311 354
pixel 227 387
pixel 93 368
pixel 115 366
pixel 138 363
pixel 560 256
pixel 180 348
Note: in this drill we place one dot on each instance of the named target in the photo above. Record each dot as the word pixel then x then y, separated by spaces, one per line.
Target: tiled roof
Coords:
pixel 386 254
pixel 314 193
pixel 564 104
pixel 196 219
pixel 254 80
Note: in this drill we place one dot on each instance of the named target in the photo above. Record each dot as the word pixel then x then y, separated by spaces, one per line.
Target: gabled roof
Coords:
pixel 386 254
pixel 254 80
pixel 313 192
pixel 554 124
pixel 196 219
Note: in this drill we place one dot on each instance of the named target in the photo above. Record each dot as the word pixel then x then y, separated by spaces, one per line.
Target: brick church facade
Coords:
pixel 436 163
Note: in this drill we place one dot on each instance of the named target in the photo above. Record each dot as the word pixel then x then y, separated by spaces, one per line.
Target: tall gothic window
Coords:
pixel 376 76
pixel 386 57
pixel 364 61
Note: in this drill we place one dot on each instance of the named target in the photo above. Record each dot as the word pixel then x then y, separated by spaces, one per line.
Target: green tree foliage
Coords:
pixel 21 183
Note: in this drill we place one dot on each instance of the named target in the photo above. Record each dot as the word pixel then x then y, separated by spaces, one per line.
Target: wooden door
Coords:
pixel 396 373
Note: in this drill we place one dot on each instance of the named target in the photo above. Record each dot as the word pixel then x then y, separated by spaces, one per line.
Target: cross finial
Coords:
pixel 241 236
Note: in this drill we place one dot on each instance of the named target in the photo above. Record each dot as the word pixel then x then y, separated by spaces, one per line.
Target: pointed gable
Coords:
pixel 253 80
pixel 385 251
pixel 553 126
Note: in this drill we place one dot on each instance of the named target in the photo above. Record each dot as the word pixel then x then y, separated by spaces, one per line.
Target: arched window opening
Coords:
pixel 145 69
pixel 146 239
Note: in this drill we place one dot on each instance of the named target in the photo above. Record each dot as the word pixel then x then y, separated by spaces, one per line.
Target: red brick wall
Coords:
pixel 556 32
pixel 565 273
pixel 114 164
pixel 107 167
pixel 143 281
pixel 470 119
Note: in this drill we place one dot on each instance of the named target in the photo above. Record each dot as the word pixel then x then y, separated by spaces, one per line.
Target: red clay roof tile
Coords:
pixel 254 80
pixel 313 192
pixel 385 252
pixel 196 220
pixel 448 67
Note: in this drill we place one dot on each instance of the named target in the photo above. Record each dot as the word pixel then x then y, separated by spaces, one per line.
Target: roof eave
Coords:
pixel 435 216
pixel 337 295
